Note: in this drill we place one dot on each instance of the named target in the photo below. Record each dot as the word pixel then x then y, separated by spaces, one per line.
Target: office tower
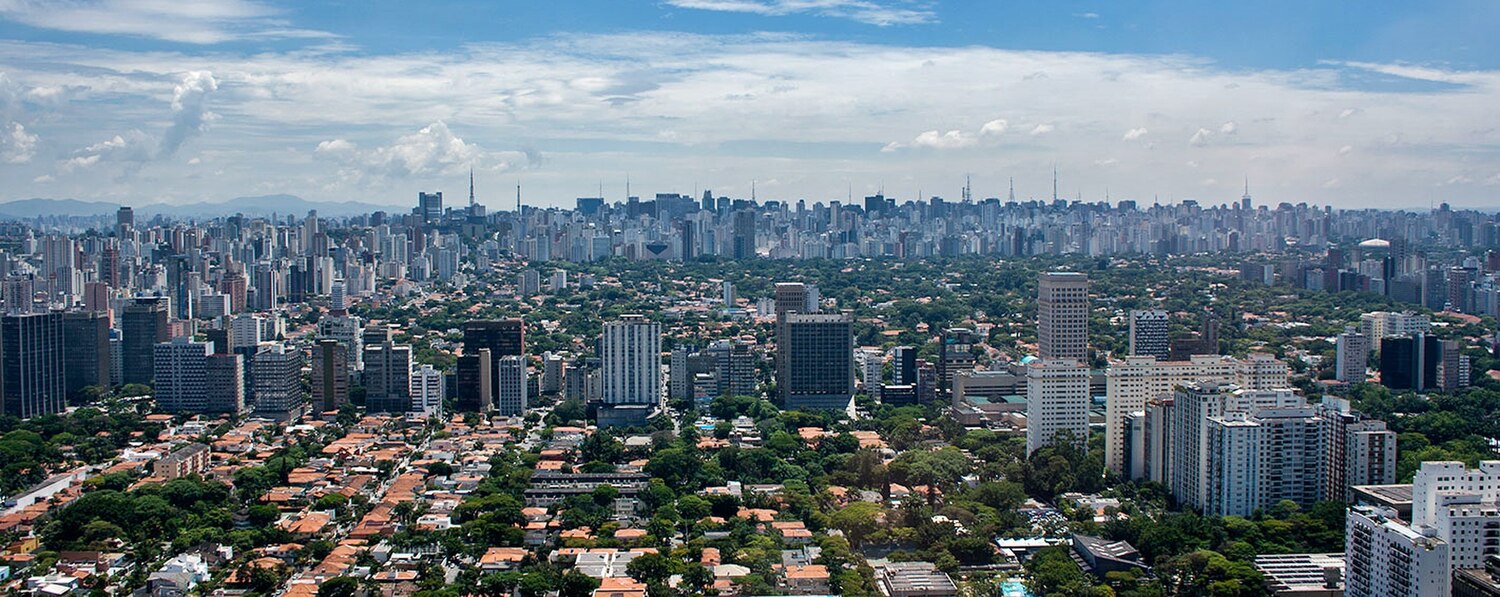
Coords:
pixel 1148 334
pixel 430 207
pixel 124 219
pixel 143 325
pixel 225 389
pixel 727 293
pixel 1063 316
pixel 631 370
pixel 502 337
pixel 348 331
pixel 31 365
pixel 817 354
pixel 330 375
pixel 1385 558
pixel 1353 356
pixel 276 376
pixel 427 391
pixel 1356 451
pixel 955 356
pixel 387 378
pixel 182 375
pixel 790 297
pixel 510 387
pixel 475 379
pixel 1132 382
pixel 1409 362
pixel 743 237
pixel 86 351
pixel 903 365
pixel 1057 400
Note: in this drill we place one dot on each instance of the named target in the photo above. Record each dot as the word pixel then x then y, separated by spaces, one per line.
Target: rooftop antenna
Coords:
pixel 471 187
pixel 1012 188
pixel 968 188
pixel 627 186
pixel 752 190
pixel 851 192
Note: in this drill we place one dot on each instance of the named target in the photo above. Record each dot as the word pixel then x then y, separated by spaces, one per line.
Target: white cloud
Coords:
pixel 1229 128
pixel 863 11
pixel 603 101
pixel 1042 129
pixel 132 148
pixel 190 116
pixel 43 179
pixel 192 21
pixel 950 140
pixel 16 145
pixel 953 139
pixel 1346 149
pixel 433 150
pixel 1134 134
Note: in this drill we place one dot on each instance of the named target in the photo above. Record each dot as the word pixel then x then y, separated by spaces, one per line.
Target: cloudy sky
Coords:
pixel 1352 104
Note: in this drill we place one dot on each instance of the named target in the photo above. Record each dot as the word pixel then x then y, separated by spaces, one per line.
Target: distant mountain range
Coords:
pixel 26 209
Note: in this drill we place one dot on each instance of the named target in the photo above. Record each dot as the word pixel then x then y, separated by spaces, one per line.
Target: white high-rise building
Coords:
pixel 1192 455
pixel 510 385
pixel 1353 356
pixel 1129 383
pixel 427 391
pixel 1148 334
pixel 1385 558
pixel 1062 310
pixel 727 290
pixel 1057 399
pixel 246 331
pixel 1379 325
pixel 1461 506
pixel 630 371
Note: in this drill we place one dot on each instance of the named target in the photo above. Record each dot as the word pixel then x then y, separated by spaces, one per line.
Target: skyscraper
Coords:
pixel 86 353
pixel 181 375
pixel 1063 316
pixel 427 391
pixel 816 352
pixel 143 325
pixel 630 353
pixel 1352 356
pixel 510 388
pixel 387 378
pixel 1148 334
pixel 330 376
pixel 1386 558
pixel 475 379
pixel 31 365
pixel 955 356
pixel 276 374
pixel 1057 400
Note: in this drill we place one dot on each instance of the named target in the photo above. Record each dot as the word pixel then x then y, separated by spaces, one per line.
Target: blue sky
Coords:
pixel 1342 103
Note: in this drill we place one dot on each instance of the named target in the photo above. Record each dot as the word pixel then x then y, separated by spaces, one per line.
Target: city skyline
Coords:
pixel 137 103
